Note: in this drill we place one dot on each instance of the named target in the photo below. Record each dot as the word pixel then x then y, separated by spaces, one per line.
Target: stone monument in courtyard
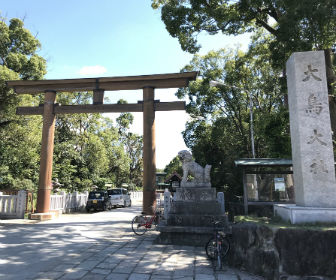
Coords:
pixel 194 207
pixel 311 137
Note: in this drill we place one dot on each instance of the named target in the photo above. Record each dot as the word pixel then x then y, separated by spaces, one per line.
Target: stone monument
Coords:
pixel 194 207
pixel 312 148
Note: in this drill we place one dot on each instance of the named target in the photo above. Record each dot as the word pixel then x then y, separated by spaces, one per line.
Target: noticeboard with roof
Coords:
pixel 266 181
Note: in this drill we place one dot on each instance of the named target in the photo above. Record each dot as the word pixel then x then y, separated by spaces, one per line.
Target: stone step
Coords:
pixel 182 235
pixel 195 220
pixel 201 207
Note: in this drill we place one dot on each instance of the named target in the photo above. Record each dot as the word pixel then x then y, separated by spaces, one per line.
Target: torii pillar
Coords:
pixel 47 150
pixel 149 155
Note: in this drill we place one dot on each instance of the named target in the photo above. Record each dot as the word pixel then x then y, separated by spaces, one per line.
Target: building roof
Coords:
pixel 174 177
pixel 265 162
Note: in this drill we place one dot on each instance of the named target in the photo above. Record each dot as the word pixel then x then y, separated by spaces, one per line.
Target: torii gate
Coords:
pixel 50 109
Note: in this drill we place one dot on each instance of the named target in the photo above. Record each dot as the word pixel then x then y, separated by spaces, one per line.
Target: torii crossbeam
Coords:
pixel 50 109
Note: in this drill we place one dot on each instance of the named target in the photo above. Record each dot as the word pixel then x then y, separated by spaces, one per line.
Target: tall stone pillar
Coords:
pixel 47 148
pixel 312 148
pixel 149 157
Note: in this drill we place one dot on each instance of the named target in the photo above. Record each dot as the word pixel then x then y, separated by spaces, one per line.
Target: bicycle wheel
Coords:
pixel 211 248
pixel 139 225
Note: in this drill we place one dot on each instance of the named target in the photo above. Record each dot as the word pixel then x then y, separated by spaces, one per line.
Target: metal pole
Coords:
pixel 251 126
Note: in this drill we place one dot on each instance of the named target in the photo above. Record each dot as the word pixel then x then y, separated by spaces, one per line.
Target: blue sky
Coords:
pixel 85 38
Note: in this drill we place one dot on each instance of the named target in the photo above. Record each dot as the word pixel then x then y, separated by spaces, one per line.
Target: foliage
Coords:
pixel 175 165
pixel 294 25
pixel 90 150
pixel 219 130
pixel 20 136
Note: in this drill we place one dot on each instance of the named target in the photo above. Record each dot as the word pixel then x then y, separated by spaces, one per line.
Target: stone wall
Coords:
pixel 283 253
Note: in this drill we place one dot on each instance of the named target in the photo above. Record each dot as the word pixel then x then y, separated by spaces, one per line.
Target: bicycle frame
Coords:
pixel 148 223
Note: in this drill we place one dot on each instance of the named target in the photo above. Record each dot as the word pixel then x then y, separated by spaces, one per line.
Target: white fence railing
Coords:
pixel 13 206
pixel 136 196
pixel 68 202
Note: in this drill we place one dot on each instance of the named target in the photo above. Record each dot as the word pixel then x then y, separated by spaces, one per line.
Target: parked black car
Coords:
pixel 98 200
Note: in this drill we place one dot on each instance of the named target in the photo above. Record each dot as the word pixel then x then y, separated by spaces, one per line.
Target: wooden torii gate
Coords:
pixel 148 106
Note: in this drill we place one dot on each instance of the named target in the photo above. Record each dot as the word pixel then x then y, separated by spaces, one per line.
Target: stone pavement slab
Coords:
pixel 99 246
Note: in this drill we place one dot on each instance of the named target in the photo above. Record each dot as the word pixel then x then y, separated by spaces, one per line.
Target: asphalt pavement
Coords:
pixel 98 246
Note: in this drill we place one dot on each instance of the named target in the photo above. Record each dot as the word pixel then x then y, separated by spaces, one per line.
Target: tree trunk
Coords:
pixel 331 78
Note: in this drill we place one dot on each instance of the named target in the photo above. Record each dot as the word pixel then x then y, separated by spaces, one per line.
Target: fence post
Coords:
pixel 221 201
pixel 76 202
pixel 21 204
pixel 63 194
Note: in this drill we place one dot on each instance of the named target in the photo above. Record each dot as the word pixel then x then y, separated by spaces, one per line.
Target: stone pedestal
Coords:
pixel 53 214
pixel 301 215
pixel 191 216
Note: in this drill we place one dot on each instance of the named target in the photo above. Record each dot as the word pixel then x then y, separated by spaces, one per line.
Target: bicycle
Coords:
pixel 142 223
pixel 218 246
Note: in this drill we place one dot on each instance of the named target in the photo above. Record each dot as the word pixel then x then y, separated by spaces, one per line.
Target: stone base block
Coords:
pixel 299 215
pixel 53 214
pixel 192 236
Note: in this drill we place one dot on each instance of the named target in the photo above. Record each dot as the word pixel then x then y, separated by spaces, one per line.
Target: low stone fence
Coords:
pixel 13 206
pixel 276 253
pixel 68 202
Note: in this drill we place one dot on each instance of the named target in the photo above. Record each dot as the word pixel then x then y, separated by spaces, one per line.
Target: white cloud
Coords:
pixel 92 70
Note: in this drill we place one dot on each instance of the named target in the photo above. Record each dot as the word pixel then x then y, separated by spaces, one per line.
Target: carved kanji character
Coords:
pixel 310 73
pixel 316 137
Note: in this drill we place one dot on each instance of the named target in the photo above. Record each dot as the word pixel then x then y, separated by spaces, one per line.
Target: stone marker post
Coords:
pixel 221 201
pixel 312 149
pixel 21 204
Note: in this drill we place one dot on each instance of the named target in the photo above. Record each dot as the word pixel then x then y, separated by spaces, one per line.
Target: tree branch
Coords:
pixel 266 26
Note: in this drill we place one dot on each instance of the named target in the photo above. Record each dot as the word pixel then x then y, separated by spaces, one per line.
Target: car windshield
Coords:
pixel 114 191
pixel 96 195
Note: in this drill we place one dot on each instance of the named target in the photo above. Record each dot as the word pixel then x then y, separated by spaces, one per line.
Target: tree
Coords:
pixel 20 136
pixel 219 131
pixel 175 165
pixel 133 146
pixel 294 25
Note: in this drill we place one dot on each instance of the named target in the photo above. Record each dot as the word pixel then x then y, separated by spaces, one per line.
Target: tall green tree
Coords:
pixel 19 145
pixel 294 25
pixel 175 165
pixel 219 130
pixel 133 147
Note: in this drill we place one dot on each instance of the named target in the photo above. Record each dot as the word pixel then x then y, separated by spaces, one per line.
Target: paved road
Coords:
pixel 98 246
